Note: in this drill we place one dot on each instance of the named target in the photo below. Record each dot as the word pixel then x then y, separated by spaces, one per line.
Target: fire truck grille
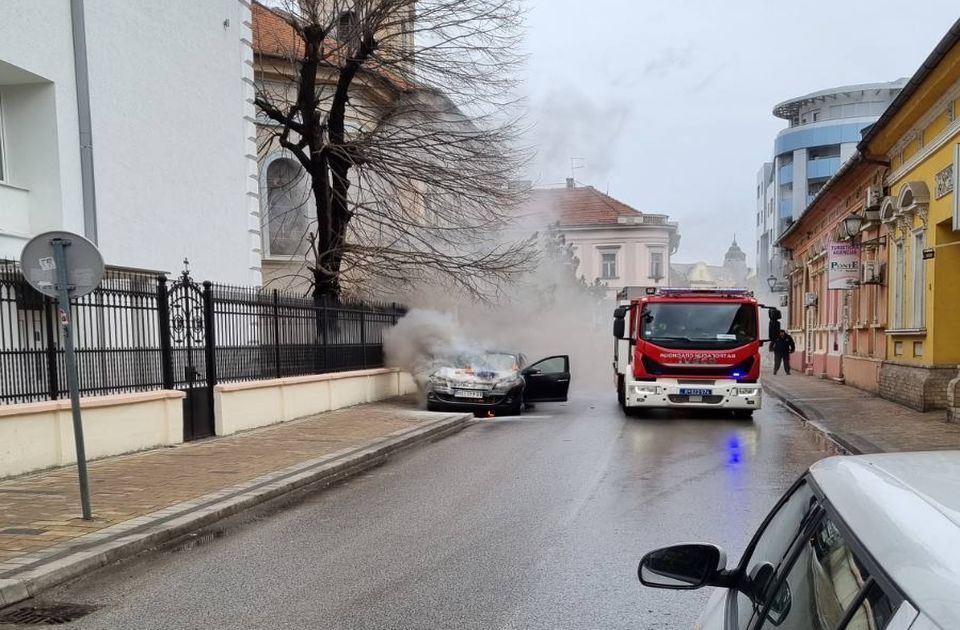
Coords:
pixel 710 400
pixel 657 369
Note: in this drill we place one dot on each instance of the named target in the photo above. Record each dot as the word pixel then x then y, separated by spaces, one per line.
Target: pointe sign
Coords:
pixel 843 266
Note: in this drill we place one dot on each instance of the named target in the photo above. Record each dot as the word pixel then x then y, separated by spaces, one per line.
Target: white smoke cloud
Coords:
pixel 425 340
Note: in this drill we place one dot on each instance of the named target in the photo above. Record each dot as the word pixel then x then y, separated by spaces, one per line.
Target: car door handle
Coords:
pixel 563 380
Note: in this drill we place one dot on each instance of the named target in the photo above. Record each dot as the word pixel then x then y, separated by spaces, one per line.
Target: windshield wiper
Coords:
pixel 664 338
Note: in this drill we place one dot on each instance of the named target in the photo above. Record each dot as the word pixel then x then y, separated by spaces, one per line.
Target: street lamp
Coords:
pixel 775 285
pixel 852 225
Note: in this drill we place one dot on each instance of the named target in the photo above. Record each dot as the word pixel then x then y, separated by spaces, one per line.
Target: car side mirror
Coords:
pixel 682 567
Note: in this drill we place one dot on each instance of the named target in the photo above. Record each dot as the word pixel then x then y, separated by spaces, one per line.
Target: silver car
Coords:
pixel 869 542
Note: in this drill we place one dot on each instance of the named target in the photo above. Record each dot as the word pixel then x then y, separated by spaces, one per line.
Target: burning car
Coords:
pixel 501 383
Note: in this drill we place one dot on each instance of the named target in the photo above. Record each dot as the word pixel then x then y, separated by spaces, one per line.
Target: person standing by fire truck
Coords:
pixel 782 346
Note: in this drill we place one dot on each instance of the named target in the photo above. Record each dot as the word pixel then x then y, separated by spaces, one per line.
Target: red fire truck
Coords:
pixel 683 348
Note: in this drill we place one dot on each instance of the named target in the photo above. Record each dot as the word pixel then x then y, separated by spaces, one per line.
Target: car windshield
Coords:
pixel 496 362
pixel 487 362
pixel 689 324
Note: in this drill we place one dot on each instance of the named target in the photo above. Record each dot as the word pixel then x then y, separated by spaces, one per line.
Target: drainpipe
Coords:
pixel 83 111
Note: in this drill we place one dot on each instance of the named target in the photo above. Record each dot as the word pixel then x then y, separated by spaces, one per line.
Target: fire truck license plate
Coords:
pixel 466 393
pixel 695 392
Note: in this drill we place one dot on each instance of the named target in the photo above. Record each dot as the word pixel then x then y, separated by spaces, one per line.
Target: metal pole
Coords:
pixel 63 300
pixel 276 332
pixel 210 337
pixel 163 317
pixel 83 117
pixel 53 377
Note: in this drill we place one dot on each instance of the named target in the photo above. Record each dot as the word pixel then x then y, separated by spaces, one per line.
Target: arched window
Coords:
pixel 285 220
pixel 347 25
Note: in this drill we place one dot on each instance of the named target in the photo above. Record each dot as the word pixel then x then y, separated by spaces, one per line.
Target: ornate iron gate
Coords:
pixel 187 350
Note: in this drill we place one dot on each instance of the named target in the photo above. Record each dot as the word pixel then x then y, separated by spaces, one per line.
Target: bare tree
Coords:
pixel 398 112
pixel 560 258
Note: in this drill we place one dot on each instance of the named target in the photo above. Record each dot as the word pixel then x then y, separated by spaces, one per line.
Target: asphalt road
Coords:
pixel 525 523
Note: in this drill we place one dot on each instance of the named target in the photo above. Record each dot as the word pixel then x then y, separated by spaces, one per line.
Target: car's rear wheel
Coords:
pixel 621 393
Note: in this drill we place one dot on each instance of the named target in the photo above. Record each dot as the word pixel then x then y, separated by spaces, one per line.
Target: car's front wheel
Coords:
pixel 518 406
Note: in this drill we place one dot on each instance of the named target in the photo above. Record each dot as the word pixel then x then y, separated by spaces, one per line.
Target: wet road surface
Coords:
pixel 529 523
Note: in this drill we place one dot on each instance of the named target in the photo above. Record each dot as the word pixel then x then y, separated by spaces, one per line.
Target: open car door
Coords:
pixel 548 380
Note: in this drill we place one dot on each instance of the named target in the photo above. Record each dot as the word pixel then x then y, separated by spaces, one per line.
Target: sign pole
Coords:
pixel 63 300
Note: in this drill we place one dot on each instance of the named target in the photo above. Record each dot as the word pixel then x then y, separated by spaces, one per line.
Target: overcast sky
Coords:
pixel 669 103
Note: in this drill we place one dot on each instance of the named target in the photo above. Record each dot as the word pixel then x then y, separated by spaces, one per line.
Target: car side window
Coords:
pixel 553 365
pixel 826 587
pixel 761 563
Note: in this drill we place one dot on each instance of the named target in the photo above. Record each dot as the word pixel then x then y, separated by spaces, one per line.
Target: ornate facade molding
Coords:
pixel 951 130
pixel 941 107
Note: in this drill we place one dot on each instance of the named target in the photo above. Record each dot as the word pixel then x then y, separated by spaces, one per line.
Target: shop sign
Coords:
pixel 843 265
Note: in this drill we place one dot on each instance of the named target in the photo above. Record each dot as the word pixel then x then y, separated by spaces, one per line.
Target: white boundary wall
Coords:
pixel 252 404
pixel 34 436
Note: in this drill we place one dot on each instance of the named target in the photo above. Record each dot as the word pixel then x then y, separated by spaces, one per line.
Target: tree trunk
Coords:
pixel 328 247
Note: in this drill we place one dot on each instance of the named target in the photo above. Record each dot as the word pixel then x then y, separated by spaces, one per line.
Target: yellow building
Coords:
pixel 919 137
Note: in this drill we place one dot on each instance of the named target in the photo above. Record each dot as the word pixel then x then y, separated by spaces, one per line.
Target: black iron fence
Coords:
pixel 140 332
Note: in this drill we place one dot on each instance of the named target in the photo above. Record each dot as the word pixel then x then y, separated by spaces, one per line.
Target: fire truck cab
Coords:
pixel 688 348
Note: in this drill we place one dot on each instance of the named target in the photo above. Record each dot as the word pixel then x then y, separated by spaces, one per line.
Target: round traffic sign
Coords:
pixel 84 263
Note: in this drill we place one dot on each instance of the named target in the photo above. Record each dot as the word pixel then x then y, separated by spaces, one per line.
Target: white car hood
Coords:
pixel 478 377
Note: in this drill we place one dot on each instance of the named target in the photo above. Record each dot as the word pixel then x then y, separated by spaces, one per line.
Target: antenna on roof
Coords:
pixel 574 167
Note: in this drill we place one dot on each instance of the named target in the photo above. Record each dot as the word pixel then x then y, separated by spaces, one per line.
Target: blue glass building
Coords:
pixel 824 128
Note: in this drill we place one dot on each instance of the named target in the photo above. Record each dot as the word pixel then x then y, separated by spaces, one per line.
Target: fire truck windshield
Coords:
pixel 698 325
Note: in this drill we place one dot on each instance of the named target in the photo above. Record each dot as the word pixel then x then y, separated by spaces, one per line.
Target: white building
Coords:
pixel 733 274
pixel 171 123
pixel 616 244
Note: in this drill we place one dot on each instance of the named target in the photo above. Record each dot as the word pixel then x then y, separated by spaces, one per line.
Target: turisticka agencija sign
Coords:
pixel 843 265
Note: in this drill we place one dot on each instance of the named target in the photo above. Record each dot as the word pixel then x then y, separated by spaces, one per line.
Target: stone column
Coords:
pixel 953 400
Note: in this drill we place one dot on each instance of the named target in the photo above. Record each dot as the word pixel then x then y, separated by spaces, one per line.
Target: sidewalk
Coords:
pixel 144 499
pixel 858 421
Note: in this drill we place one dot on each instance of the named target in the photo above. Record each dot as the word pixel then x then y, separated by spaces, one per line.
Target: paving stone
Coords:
pixel 868 422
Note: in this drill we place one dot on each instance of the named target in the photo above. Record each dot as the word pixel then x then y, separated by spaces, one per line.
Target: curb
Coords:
pixel 92 551
pixel 811 418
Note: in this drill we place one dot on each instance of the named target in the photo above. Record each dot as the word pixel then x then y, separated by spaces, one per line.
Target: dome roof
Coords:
pixel 734 253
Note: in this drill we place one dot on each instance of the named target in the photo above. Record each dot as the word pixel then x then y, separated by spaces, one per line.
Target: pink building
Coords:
pixel 618 245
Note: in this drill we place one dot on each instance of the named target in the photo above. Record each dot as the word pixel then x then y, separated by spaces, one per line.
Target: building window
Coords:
pixel 896 284
pixel 898 348
pixel 656 265
pixel 814 186
pixel 918 348
pixel 347 26
pixel 919 280
pixel 816 115
pixel 608 265
pixel 824 151
pixel 285 217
